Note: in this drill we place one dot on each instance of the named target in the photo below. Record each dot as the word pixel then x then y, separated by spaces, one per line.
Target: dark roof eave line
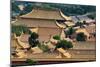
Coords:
pixel 40 18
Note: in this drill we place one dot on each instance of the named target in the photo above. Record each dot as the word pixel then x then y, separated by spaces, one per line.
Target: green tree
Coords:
pixel 33 39
pixel 81 37
pixel 29 61
pixel 43 47
pixel 18 29
pixel 64 44
pixel 57 37
pixel 92 16
pixel 70 31
pixel 67 9
pixel 15 7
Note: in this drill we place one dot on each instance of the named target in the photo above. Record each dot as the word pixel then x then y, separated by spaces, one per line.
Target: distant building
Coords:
pixel 81 18
pixel 89 31
pixel 82 30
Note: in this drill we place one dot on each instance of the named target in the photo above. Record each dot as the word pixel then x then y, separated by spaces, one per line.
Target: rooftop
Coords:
pixel 44 14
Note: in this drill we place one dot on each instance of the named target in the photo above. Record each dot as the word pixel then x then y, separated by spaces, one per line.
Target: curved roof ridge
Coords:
pixel 44 14
pixel 26 14
pixel 64 16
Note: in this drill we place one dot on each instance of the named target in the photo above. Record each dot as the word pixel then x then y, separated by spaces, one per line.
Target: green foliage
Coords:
pixel 69 45
pixel 81 37
pixel 34 35
pixel 70 31
pixel 67 9
pixel 33 39
pixel 56 37
pixel 18 29
pixel 29 61
pixel 92 16
pixel 18 33
pixel 64 44
pixel 15 7
pixel 43 47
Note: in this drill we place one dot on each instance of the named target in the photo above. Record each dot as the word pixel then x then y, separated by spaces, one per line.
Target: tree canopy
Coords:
pixel 81 37
pixel 57 37
pixel 67 9
pixel 33 39
pixel 18 29
pixel 70 31
pixel 64 44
